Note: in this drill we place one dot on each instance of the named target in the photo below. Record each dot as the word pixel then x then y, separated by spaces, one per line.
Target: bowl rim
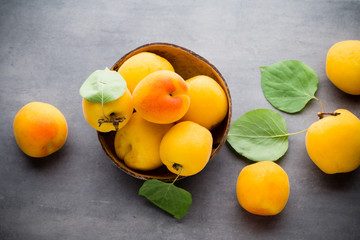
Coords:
pixel 199 57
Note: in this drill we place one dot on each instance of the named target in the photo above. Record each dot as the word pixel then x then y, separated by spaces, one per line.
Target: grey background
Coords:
pixel 48 48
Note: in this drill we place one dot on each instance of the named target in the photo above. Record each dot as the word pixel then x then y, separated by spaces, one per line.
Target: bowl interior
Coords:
pixel 187 64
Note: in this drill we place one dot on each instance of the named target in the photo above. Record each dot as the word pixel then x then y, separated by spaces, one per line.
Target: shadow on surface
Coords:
pixel 49 161
pixel 339 181
pixel 261 224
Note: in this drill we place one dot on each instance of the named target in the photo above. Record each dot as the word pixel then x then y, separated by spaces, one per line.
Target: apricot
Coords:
pixel 263 188
pixel 208 102
pixel 162 97
pixel 140 65
pixel 186 148
pixel 40 129
pixel 103 116
pixel 138 143
pixel 343 66
pixel 333 142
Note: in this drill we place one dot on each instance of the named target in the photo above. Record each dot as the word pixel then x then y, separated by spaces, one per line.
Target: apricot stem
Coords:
pixel 114 120
pixel 322 114
pixel 322 106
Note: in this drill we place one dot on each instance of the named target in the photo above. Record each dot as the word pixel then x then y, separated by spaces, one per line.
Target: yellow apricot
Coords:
pixel 263 188
pixel 40 129
pixel 333 142
pixel 208 102
pixel 134 69
pixel 343 66
pixel 138 143
pixel 186 148
pixel 119 108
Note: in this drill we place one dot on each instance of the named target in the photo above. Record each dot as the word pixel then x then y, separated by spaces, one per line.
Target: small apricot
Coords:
pixel 109 116
pixel 134 69
pixel 138 143
pixel 162 97
pixel 333 142
pixel 343 66
pixel 208 102
pixel 263 188
pixel 186 148
pixel 40 129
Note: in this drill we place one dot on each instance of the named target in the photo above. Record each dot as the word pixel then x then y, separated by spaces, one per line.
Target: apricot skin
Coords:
pixel 40 129
pixel 333 142
pixel 138 143
pixel 121 107
pixel 187 144
pixel 263 188
pixel 162 97
pixel 343 66
pixel 140 65
pixel 208 102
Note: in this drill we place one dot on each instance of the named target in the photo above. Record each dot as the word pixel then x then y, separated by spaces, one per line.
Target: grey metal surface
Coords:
pixel 48 48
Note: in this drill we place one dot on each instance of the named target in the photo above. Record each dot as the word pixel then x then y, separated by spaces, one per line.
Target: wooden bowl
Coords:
pixel 187 64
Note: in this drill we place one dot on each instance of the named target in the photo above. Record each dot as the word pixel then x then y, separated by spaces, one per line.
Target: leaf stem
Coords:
pixel 290 134
pixel 273 136
pixel 177 167
pixel 322 106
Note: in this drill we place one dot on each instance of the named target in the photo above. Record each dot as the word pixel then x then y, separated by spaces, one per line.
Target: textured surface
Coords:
pixel 48 48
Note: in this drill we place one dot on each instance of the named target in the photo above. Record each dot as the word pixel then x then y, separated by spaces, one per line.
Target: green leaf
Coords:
pixel 289 85
pixel 167 196
pixel 103 86
pixel 259 135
